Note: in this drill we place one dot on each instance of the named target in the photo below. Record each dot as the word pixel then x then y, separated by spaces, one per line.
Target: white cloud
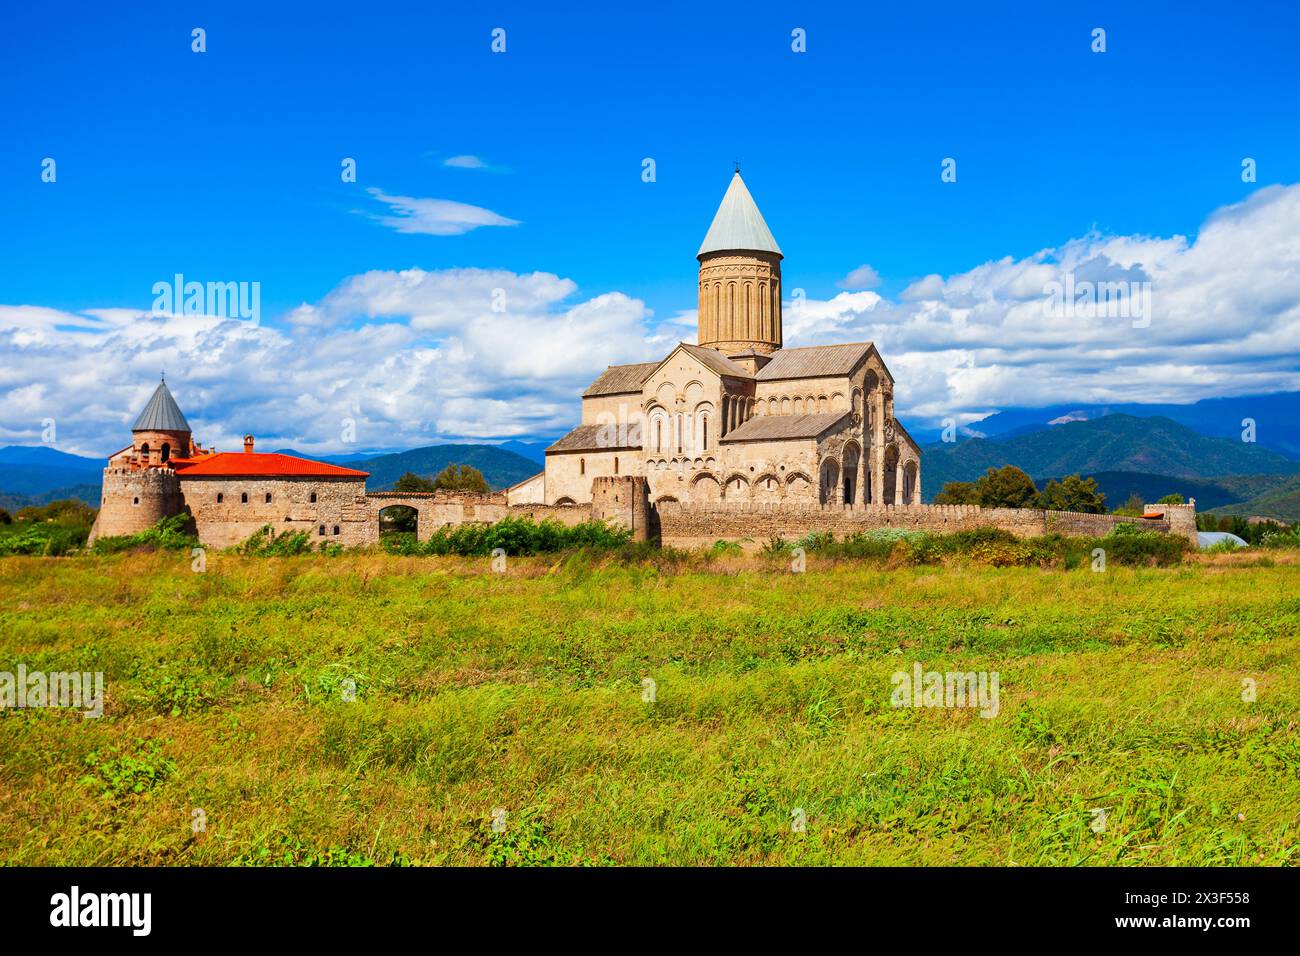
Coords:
pixel 435 217
pixel 464 162
pixel 413 357
pixel 417 356
pixel 863 277
pixel 1224 319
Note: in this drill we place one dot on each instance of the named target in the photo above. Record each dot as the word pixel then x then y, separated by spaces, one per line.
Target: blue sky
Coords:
pixel 225 165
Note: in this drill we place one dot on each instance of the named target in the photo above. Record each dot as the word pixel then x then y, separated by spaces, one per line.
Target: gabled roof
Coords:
pixel 620 379
pixel 248 464
pixel 161 414
pixel 779 427
pixel 600 438
pixel 713 359
pixel 738 224
pixel 815 361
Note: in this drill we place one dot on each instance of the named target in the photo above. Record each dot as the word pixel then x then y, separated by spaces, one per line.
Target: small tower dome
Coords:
pixel 161 433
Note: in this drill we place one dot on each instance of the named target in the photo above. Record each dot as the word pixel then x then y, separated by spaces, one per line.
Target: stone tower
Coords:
pixel 140 485
pixel 740 278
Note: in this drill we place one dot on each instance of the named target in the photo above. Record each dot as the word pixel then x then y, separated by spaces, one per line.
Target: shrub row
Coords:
pixel 993 546
pixel 516 536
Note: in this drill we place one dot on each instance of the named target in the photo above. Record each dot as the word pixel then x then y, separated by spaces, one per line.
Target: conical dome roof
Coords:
pixel 738 225
pixel 162 414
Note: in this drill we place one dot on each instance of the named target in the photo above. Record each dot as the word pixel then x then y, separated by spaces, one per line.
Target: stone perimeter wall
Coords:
pixel 692 524
pixel 350 516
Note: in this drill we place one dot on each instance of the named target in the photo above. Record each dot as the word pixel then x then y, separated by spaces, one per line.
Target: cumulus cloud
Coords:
pixel 435 217
pixel 417 356
pixel 1219 315
pixel 863 277
pixel 412 357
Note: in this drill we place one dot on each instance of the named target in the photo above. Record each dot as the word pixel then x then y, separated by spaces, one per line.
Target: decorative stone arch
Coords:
pixel 889 491
pixel 767 487
pixel 828 480
pixel 704 432
pixel 785 404
pixel 851 470
pixel 705 487
pixel 855 402
pixel 565 502
pixel 660 430
pixel 797 405
pixel 735 486
pixel 799 484
pixel 839 403
pixel 911 472
pixel 823 403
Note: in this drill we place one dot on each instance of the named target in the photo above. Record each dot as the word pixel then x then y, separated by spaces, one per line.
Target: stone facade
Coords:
pixel 738 417
pixel 227 511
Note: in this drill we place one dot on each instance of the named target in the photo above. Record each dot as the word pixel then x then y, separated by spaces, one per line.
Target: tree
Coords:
pixel 1073 493
pixel 411 482
pixel 1132 508
pixel 6 517
pixel 957 493
pixel 461 478
pixel 1006 487
pixel 1174 499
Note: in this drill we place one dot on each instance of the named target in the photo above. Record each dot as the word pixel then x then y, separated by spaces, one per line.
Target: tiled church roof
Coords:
pixel 247 464
pixel 620 379
pixel 815 361
pixel 717 361
pixel 609 437
pixel 780 427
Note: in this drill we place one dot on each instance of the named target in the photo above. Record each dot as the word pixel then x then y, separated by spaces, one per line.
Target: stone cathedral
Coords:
pixel 739 417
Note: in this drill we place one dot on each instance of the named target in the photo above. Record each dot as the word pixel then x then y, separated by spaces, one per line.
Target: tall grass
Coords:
pixel 375 709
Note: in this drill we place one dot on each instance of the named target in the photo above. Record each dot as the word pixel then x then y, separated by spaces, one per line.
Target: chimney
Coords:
pixel 248 444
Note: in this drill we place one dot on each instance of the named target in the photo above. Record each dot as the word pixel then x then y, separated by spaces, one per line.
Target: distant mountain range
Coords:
pixel 1276 418
pixel 1149 457
pixel 1127 454
pixel 500 466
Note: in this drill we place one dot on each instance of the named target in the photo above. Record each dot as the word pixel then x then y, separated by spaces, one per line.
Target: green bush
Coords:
pixel 265 543
pixel 169 534
pixel 516 536
pixel 42 539
pixel 1131 545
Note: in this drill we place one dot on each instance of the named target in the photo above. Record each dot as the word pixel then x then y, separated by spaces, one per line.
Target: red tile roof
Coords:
pixel 257 464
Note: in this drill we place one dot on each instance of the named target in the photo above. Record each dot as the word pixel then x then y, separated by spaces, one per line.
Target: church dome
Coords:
pixel 738 225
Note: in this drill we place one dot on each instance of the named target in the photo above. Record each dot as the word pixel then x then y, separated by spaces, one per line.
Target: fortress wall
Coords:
pixel 693 524
pixel 225 523
pixel 135 500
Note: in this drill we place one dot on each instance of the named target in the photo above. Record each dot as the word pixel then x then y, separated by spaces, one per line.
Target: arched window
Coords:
pixel 336 529
pixel 268 497
pixel 166 451
pixel 220 497
pixel 313 497
pixel 243 498
pixel 136 501
pixel 322 531
pixel 144 451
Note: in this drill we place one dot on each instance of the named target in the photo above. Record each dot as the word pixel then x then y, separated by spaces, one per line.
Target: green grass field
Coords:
pixel 523 691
